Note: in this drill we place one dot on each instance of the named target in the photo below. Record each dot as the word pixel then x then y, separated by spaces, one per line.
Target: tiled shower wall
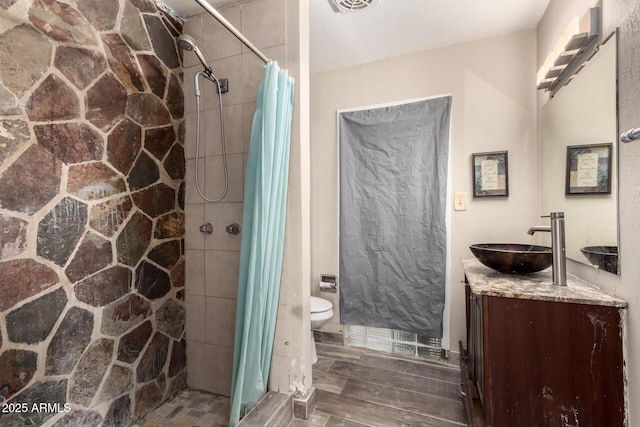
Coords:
pixel 92 165
pixel 213 259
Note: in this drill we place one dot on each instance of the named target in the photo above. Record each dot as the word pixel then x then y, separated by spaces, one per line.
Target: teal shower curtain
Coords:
pixel 263 226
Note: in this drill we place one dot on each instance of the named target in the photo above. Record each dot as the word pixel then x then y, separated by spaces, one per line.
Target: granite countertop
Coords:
pixel 485 281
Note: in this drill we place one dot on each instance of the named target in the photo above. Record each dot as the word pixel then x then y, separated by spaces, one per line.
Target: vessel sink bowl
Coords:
pixel 513 258
pixel 605 257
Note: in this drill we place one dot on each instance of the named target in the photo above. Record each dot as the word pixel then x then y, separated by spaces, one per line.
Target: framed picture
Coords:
pixel 490 174
pixel 589 169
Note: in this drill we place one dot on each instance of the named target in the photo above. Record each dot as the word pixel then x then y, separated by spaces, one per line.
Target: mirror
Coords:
pixel 584 112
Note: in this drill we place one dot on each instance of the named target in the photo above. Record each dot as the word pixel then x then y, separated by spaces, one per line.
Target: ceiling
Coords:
pixel 397 27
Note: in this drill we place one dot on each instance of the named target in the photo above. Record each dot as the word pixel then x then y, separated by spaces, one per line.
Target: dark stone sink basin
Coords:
pixel 513 258
pixel 605 257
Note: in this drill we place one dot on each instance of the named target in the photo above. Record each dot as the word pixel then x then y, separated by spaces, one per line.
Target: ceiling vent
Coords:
pixel 348 6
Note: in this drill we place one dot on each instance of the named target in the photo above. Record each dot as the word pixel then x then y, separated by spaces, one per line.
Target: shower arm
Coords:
pixel 218 16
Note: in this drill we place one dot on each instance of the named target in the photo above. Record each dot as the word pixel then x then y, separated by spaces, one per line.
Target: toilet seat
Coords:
pixel 319 305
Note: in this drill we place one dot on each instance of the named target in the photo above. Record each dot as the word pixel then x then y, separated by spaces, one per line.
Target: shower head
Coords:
pixel 187 42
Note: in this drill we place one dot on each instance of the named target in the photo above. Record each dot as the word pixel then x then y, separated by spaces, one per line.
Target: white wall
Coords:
pixel 624 15
pixel 494 108
pixel 291 369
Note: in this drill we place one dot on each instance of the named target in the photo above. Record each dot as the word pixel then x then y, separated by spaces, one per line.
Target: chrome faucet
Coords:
pixel 558 249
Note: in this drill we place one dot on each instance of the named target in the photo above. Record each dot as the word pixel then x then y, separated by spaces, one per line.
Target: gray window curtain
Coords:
pixel 393 236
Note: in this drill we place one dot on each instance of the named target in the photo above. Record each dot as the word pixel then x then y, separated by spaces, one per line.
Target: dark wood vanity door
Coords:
pixel 475 363
pixel 551 364
pixel 478 345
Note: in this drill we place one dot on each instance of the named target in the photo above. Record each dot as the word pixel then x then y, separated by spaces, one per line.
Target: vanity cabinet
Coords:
pixel 540 362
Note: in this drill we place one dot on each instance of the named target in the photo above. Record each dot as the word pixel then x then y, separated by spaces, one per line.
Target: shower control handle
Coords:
pixel 233 228
pixel 206 228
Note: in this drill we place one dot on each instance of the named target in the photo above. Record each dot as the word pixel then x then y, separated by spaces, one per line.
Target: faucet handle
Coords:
pixel 553 215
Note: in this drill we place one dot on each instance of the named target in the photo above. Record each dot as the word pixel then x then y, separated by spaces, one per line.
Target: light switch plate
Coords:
pixel 460 201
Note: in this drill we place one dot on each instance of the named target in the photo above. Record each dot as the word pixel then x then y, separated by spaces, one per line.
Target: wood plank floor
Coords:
pixel 358 388
pixel 355 388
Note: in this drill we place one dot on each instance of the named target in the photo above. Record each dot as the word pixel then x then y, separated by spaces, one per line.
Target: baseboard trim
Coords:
pixel 303 407
pixel 324 337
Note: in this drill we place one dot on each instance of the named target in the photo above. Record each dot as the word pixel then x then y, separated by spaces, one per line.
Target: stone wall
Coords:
pixel 91 211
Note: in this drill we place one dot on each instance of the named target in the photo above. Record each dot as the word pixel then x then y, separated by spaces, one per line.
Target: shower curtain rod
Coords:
pixel 213 12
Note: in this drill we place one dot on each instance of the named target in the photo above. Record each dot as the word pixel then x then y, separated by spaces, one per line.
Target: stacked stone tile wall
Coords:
pixel 91 211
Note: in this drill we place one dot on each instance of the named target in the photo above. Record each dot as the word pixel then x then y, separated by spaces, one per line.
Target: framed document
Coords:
pixel 589 169
pixel 490 174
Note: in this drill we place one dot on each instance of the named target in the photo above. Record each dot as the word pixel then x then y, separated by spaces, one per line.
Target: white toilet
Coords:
pixel 321 312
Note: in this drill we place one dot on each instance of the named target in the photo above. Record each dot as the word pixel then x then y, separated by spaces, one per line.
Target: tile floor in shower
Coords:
pixel 355 388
